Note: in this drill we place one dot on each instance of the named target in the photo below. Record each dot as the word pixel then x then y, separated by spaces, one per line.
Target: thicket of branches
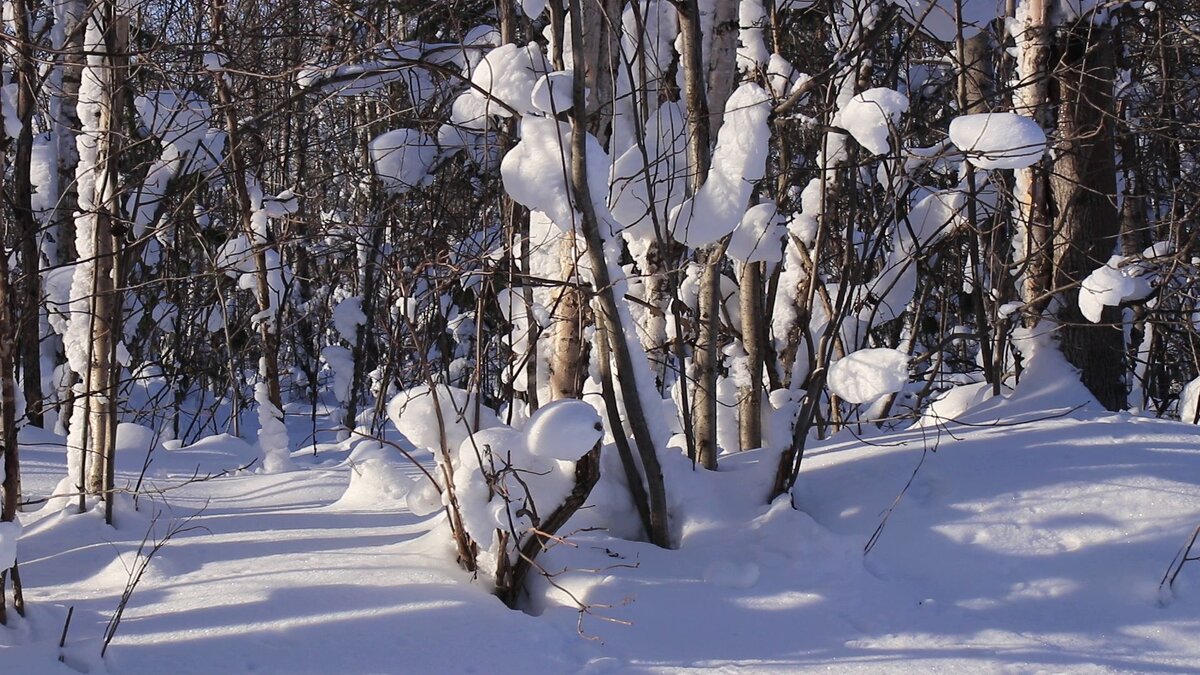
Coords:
pixel 298 210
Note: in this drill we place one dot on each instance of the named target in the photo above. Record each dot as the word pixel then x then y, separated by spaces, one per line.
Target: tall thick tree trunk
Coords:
pixel 1083 188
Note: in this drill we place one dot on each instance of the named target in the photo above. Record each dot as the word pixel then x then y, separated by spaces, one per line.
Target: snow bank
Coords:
pixel 378 477
pixel 868 374
pixel 998 140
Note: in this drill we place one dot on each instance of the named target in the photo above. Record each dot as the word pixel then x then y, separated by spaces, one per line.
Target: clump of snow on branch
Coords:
pixel 738 160
pixel 758 238
pixel 416 415
pixel 999 140
pixel 509 480
pixel 533 8
pixel 273 443
pixel 871 116
pixel 1116 282
pixel 503 81
pixel 402 158
pixel 643 191
pixel 9 532
pixel 348 316
pixel 553 91
pixel 536 172
pixel 868 374
pixel 1189 398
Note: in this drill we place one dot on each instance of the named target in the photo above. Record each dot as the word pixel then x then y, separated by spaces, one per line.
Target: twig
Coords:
pixel 1183 556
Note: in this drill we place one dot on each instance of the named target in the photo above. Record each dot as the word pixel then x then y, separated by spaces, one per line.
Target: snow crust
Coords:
pixel 999 140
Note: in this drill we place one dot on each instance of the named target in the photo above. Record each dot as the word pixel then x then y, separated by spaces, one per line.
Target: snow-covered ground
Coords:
pixel 1032 538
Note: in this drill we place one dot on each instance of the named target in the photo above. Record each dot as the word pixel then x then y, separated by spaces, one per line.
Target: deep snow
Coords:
pixel 1032 538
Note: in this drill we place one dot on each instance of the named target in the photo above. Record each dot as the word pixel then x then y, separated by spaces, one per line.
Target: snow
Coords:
pixel 402 158
pixel 507 74
pixel 759 237
pixel 1189 399
pixel 9 533
pixel 998 140
pixel 348 316
pixel 871 116
pixel 1030 540
pixel 415 415
pixel 1111 285
pixel 553 91
pixel 273 442
pixel 341 363
pixel 868 374
pixel 533 8
pixel 563 430
pixel 738 160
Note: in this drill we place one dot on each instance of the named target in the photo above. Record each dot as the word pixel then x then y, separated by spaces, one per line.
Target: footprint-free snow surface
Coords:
pixel 1011 541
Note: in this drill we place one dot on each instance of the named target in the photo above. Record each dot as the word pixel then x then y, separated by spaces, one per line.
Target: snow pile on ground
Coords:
pixel 1025 534
pixel 998 140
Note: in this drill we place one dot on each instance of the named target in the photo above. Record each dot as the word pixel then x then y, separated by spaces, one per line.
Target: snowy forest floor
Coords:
pixel 1032 538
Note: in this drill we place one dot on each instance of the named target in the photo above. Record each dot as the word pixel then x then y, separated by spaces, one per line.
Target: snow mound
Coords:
pixel 998 140
pixel 377 482
pixel 868 374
